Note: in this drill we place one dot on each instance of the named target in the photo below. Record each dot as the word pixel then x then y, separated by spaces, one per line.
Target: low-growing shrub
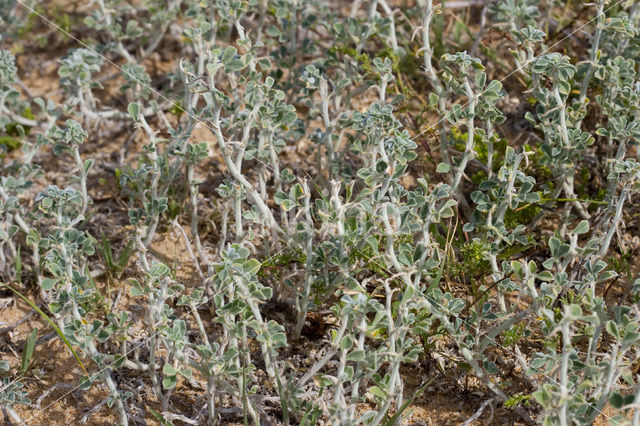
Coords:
pixel 354 192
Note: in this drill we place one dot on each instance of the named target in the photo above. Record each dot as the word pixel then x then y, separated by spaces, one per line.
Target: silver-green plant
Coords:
pixel 282 142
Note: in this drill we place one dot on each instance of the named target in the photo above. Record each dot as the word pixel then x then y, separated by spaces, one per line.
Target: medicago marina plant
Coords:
pixel 320 212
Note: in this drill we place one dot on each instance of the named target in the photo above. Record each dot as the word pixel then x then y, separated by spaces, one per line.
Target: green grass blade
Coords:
pixel 18 264
pixel 50 321
pixel 107 254
pixel 396 417
pixel 159 417
pixel 124 257
pixel 27 352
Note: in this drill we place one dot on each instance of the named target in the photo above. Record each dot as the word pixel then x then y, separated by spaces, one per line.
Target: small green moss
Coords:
pixel 12 128
pixel 479 177
pixel 177 109
pixel 585 187
pixel 406 65
pixel 365 255
pixel 511 336
pixel 481 147
pixel 26 113
pixel 517 399
pixel 174 208
pixel 473 262
pixel 537 167
pixel 41 41
pixel 9 143
pixel 521 216
pixel 582 183
pixel 362 58
pixel 272 266
pixel 29 24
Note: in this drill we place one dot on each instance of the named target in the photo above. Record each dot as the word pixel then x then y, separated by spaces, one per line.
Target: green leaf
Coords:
pixel 251 266
pixel 229 53
pixel 377 392
pixel 169 382
pixel 159 270
pixel 545 276
pixel 612 328
pixel 85 383
pixel 296 191
pixel 48 283
pixel 87 166
pixel 516 266
pixel 134 110
pixel 356 356
pixel 447 209
pixel 136 289
pixel 179 329
pixel 289 118
pixel 212 68
pixel 616 400
pixel 234 65
pixel 118 360
pixel 381 166
pixel 288 205
pixel 443 168
pixel 554 245
pixel 346 343
pixel 576 311
pixel 169 370
pixel 630 337
pixel 543 397
pixel 581 228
